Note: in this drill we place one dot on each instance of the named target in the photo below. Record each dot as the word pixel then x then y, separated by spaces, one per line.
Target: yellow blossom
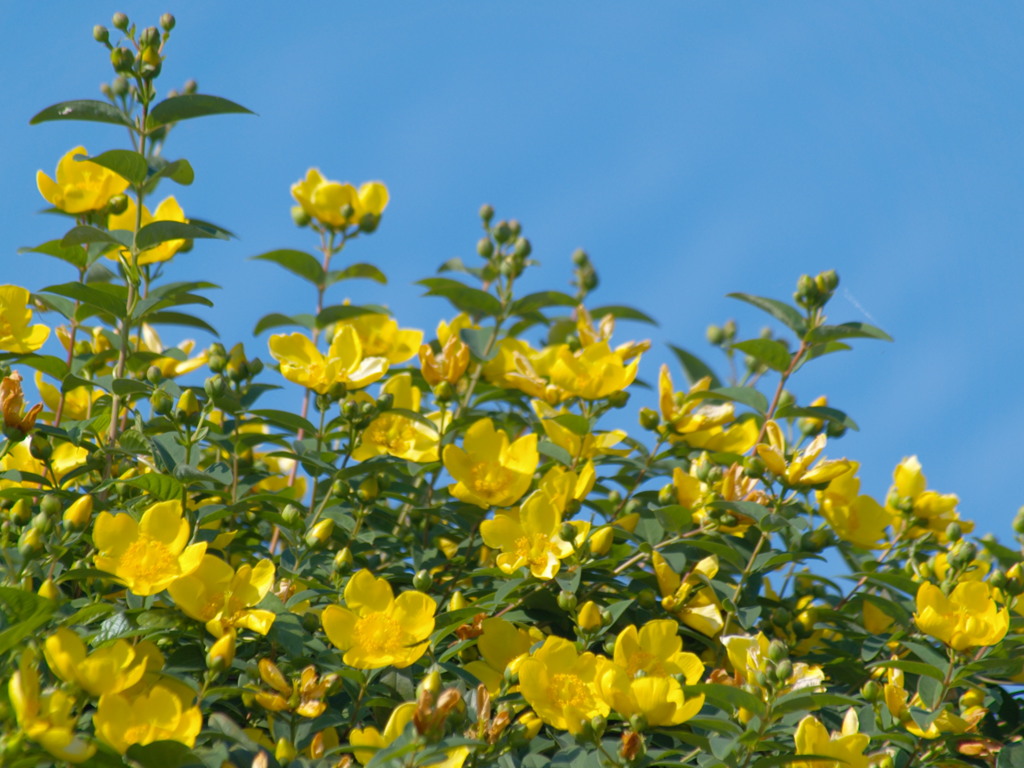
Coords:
pixel 589 334
pixel 585 446
pixel 167 210
pixel 324 200
pixel 381 337
pixel 223 598
pixel 148 555
pixel 564 485
pixel 344 363
pixel 449 365
pixel 488 469
pixel 374 629
pixel 528 537
pixel 400 717
pixel 501 645
pixel 16 335
pixel 969 617
pixel 691 598
pixel 929 510
pixel 81 185
pixel 110 669
pixel 563 686
pixel 896 701
pixel 46 718
pixel 855 517
pixel 77 401
pixel 395 433
pixel 16 422
pixel 748 655
pixel 804 468
pixel 162 710
pixel 699 424
pixel 65 458
pixel 592 373
pixel 172 361
pixel 846 747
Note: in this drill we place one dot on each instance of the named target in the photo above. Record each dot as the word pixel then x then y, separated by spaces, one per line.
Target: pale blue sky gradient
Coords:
pixel 693 148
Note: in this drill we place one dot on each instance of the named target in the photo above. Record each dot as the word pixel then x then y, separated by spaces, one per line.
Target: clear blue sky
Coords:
pixel 693 148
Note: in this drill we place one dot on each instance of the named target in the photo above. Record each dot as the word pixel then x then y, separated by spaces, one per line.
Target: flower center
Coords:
pixel 568 690
pixel 147 561
pixel 378 634
pixel 489 478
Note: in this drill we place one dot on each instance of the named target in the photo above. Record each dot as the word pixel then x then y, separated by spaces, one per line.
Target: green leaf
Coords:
pixel 300 263
pixel 694 368
pixel 340 312
pixel 623 313
pixel 817 412
pixel 803 700
pixel 848 331
pixel 541 300
pixel 277 320
pixel 48 364
pixel 130 387
pixel 83 109
pixel 190 105
pixel 165 231
pixel 161 487
pixel 578 425
pixel 107 298
pixel 781 311
pixel 73 254
pixel 84 234
pixel 462 297
pixel 477 340
pixel 180 318
pixel 746 395
pixel 162 754
pixel 727 697
pixel 129 165
pixel 771 352
pixel 352 271
pixel 914 667
pixel 290 421
pixel 178 170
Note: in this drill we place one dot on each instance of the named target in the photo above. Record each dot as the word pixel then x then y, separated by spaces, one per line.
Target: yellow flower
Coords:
pixel 374 629
pixel 110 669
pixel 578 446
pixel 77 402
pixel 563 686
pixel 15 333
pixel 588 334
pixel 967 618
pixel 172 361
pixel 222 597
pixel 563 485
pixel 592 373
pixel 501 645
pixel 449 366
pixel 344 363
pixel 855 517
pixel 46 718
pixel 749 655
pixel 528 537
pixel 81 186
pixel 656 649
pixel 488 469
pixel 945 722
pixel 400 717
pixel 16 422
pixel 150 554
pixel 700 424
pixel 799 470
pixel 168 210
pixel 691 598
pixel 163 710
pixel 517 365
pixel 66 457
pixel 846 747
pixel 931 511
pixel 381 337
pixel 397 434
pixel 324 200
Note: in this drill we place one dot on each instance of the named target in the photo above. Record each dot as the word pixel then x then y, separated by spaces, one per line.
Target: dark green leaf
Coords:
pixel 817 412
pixel 624 313
pixel 541 300
pixel 277 320
pixel 746 395
pixel 73 254
pixel 578 425
pixel 84 234
pixel 165 231
pixel 162 487
pixel 693 367
pixel 781 311
pixel 300 263
pixel 803 700
pixel 130 387
pixel 180 318
pixel 914 667
pixel 771 352
pixel 727 697
pixel 162 754
pixel 848 331
pixel 178 170
pixel 48 364
pixel 290 421
pixel 367 271
pixel 191 105
pixel 462 297
pixel 83 109
pixel 129 165
pixel 478 339
pixel 107 298
pixel 930 690
pixel 340 312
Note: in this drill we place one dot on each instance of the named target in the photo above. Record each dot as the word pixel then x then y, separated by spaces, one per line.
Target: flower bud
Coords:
pixel 187 405
pixel 221 653
pixel 167 22
pixel 777 651
pixel 39 447
pixel 486 213
pixel 1018 521
pixel 285 751
pixel 120 21
pixel 215 386
pixel 998 579
pixel 422 581
pixel 431 683
pixel 502 233
pixel 49 590
pixel 589 616
pixel 160 402
pixel 954 532
pixel 191 86
pixel 343 560
pixel 300 217
pixel 50 505
pixel 368 490
pixel 369 223
pixel 715 335
pixel 827 281
pixel 100 33
pixel 871 691
pixel 784 670
pixel 122 60
pixel 77 516
pixel 30 541
pixel 320 533
pixel 21 511
pixel 119 87
pixel 522 248
pixel 567 601
pixel 618 399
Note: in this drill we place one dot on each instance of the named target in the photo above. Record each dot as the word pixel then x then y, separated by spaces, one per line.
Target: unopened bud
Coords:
pixel 523 248
pixel 649 419
pixel 120 21
pixel 369 223
pixel 954 532
pixel 368 490
pixel 871 691
pixel 21 511
pixel 667 495
pixel 49 590
pixel 50 505
pixel 422 581
pixel 618 399
pixel 715 335
pixel 343 560
pixel 215 386
pixel 485 248
pixel 167 22
pixel 486 213
pixel 221 653
pixel 39 447
pixel 122 60
pixel 567 601
pixel 777 650
pixel 187 405
pixel 79 513
pixel 320 533
pixel 300 217
pixel 589 616
pixel 100 33
pixel 502 232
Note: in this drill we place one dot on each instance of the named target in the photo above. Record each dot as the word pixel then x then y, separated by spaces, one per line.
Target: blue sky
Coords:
pixel 692 148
